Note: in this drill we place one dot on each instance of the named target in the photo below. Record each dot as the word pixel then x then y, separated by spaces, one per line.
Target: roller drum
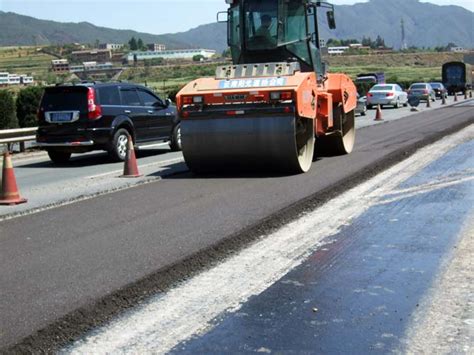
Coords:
pixel 277 142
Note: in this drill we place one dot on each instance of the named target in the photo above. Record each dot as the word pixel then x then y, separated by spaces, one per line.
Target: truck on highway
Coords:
pixel 276 101
pixel 457 76
pixel 371 78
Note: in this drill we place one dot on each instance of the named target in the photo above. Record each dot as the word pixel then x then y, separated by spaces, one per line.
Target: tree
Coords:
pixel 27 103
pixel 140 45
pixel 366 41
pixel 198 58
pixel 133 44
pixel 7 110
pixel 379 42
pixel 450 46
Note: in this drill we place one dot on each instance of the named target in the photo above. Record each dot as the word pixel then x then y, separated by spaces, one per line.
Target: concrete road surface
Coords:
pixel 68 269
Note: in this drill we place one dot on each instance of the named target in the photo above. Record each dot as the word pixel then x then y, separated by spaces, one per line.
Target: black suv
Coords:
pixel 100 116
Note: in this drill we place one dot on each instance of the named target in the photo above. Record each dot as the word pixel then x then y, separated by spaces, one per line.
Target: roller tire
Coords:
pixel 342 142
pixel 305 143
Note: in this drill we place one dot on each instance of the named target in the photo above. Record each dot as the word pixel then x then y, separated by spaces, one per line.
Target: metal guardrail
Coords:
pixel 9 137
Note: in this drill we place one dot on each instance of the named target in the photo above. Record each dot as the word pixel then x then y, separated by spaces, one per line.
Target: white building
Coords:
pixel 4 79
pixel 111 46
pixel 15 79
pixel 337 50
pixel 156 47
pixel 458 49
pixel 60 65
pixel 91 66
pixel 26 80
pixel 171 54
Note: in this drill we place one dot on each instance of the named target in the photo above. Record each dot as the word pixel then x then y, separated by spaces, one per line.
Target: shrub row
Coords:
pixel 19 111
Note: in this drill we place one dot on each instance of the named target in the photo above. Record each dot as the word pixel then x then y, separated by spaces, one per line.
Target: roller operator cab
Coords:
pixel 276 102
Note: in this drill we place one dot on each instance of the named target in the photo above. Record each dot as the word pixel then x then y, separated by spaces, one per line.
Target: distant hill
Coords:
pixel 426 25
pixel 24 30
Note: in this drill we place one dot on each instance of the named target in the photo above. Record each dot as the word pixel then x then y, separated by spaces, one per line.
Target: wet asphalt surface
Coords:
pixel 357 294
pixel 61 268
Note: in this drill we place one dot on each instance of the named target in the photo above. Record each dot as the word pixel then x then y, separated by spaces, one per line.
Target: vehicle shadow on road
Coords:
pixel 234 172
pixel 151 152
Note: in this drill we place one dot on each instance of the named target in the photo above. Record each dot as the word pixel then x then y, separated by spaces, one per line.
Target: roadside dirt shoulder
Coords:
pixel 444 323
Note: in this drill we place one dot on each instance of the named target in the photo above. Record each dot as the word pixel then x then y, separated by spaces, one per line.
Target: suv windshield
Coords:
pixel 436 85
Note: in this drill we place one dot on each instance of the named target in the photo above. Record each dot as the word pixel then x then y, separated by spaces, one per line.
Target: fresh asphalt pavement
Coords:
pixel 87 175
pixel 363 287
pixel 62 260
pixel 369 287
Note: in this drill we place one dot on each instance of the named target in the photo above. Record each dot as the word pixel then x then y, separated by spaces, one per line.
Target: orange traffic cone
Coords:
pixel 378 114
pixel 130 169
pixel 9 195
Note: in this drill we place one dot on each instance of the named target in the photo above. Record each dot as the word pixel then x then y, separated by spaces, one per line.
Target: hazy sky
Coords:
pixel 152 16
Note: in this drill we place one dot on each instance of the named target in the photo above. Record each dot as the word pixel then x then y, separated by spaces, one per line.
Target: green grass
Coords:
pixel 167 79
pixel 25 60
pixel 401 74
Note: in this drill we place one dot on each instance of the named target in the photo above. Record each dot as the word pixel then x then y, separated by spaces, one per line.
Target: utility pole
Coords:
pixel 404 42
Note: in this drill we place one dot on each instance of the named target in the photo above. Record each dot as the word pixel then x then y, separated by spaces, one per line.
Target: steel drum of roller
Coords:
pixel 278 142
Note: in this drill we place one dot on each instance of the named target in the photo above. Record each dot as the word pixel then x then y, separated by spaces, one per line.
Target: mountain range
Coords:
pixel 426 25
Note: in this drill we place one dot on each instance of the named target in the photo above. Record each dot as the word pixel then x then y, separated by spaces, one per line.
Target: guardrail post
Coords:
pixel 22 147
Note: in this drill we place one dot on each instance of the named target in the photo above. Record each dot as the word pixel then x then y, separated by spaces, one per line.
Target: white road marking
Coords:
pixel 189 309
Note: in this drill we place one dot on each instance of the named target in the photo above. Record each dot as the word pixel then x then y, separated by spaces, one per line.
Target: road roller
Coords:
pixel 277 103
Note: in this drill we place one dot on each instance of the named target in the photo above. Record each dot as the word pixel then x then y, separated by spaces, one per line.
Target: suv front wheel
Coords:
pixel 175 144
pixel 119 145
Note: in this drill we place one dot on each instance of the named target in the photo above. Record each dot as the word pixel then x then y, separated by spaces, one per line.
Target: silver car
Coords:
pixel 387 94
pixel 423 91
